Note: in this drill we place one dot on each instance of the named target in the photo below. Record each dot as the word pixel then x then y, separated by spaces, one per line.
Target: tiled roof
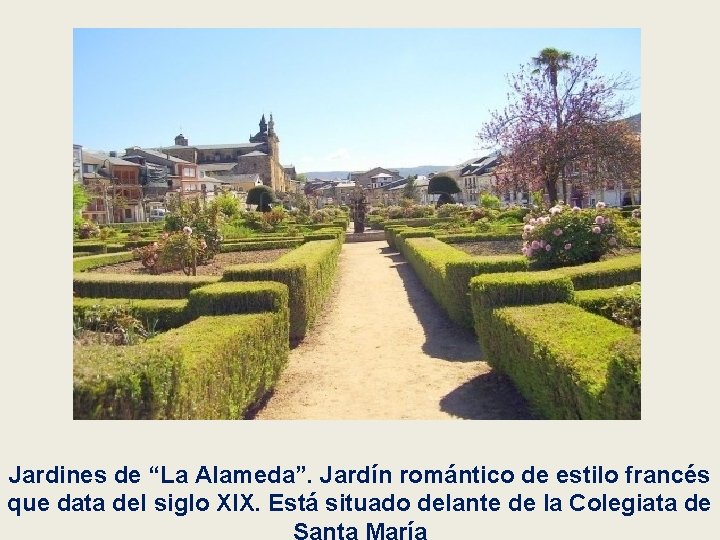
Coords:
pixel 212 167
pixel 99 159
pixel 159 154
pixel 222 146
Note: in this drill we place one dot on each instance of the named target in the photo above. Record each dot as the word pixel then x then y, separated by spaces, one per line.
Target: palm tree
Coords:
pixel 549 62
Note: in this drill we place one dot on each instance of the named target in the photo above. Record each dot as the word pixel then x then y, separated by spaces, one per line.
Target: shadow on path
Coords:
pixel 489 396
pixel 443 338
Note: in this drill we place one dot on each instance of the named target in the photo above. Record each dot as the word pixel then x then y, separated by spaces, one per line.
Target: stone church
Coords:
pixel 260 156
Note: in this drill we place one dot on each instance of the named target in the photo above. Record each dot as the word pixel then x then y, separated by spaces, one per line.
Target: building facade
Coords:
pixel 261 156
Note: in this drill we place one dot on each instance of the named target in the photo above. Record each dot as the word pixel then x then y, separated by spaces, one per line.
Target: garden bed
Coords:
pixel 491 247
pixel 215 267
pixel 513 247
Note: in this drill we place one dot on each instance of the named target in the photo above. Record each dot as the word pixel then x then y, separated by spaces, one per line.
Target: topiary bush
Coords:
pixel 262 196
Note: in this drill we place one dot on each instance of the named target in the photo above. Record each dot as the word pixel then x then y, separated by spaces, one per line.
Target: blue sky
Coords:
pixel 342 99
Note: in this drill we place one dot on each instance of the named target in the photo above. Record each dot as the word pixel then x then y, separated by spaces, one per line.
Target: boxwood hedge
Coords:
pixel 212 368
pixel 82 264
pixel 308 271
pixel 568 363
pixel 131 286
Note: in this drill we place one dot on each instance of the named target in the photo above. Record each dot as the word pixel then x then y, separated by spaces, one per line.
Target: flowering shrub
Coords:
pixel 487 200
pixel 202 221
pixel 87 229
pixel 173 251
pixel 482 213
pixel 394 212
pixel 449 210
pixel 108 233
pixel 483 225
pixel 270 220
pixel 323 216
pixel 570 236
pixel 418 211
pixel 514 213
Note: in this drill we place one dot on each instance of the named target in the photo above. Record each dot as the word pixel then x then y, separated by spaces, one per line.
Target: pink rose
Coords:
pixel 612 241
pixel 596 229
pixel 557 232
pixel 599 220
pixel 548 247
pixel 568 246
pixel 535 244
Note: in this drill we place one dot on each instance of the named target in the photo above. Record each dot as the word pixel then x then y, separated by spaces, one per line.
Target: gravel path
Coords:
pixel 383 349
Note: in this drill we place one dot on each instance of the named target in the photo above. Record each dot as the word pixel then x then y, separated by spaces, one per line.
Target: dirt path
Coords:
pixel 383 349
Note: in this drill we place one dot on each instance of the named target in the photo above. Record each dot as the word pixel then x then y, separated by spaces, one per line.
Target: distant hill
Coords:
pixel 422 170
pixel 635 123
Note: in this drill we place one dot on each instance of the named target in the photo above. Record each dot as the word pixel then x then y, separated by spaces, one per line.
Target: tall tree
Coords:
pixel 559 122
pixel 549 62
pixel 411 190
pixel 80 201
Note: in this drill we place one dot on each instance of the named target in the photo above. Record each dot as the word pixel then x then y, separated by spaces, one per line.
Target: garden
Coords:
pixel 193 317
pixel 552 293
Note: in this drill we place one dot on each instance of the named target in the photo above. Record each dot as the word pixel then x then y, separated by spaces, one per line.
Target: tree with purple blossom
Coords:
pixel 563 116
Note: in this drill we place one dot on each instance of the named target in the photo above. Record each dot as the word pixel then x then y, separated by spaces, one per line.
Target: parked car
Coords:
pixel 157 214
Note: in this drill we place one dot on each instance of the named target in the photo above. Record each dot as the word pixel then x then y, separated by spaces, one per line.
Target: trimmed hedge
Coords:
pixel 259 246
pixel 163 314
pixel 131 286
pixel 429 258
pixel 445 272
pixel 308 271
pixel 91 247
pixel 414 222
pixel 139 226
pixel 116 248
pixel 221 298
pixel 568 363
pixel 261 238
pixel 226 298
pixel 519 289
pixel 458 274
pixel 82 264
pixel 600 301
pixel 604 274
pixel 132 244
pixel 393 233
pixel 212 368
pixel 329 233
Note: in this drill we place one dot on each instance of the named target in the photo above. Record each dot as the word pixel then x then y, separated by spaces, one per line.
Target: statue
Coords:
pixel 358 207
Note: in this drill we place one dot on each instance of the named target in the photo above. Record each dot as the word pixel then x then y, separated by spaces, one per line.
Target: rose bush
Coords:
pixel 571 236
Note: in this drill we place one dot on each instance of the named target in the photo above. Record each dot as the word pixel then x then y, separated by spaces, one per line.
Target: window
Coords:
pixel 128 213
pixel 188 172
